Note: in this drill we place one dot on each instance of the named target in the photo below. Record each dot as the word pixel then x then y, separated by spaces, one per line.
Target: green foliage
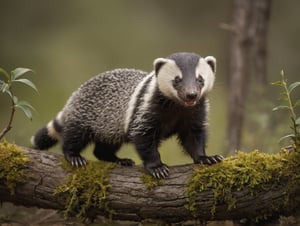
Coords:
pixel 150 181
pixel 253 172
pixel 13 165
pixel 7 87
pixel 85 188
pixel 290 105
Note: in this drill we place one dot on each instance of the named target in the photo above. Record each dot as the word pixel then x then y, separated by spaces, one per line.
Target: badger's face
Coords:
pixel 185 77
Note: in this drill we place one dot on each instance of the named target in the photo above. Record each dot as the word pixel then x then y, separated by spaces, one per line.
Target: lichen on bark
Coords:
pixel 85 188
pixel 13 165
pixel 254 171
pixel 150 181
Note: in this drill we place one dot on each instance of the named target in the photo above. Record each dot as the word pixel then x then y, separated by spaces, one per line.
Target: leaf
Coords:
pixel 2 85
pixel 24 103
pixel 26 108
pixel 5 89
pixel 277 83
pixel 293 86
pixel 26 111
pixel 287 136
pixel 280 108
pixel 19 72
pixel 297 122
pixel 5 73
pixel 297 103
pixel 26 82
pixel 15 99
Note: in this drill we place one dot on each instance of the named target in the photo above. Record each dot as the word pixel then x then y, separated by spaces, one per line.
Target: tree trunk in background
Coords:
pixel 248 53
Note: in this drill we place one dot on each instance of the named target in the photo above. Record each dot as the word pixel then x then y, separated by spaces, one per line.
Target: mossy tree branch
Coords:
pixel 128 198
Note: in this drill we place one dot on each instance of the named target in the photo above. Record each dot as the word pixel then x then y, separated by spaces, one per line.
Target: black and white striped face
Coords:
pixel 185 77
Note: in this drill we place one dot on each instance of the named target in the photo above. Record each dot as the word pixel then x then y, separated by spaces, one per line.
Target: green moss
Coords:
pixel 150 181
pixel 85 188
pixel 255 171
pixel 12 165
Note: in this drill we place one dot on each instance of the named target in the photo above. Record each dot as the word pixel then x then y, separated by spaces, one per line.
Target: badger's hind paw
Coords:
pixel 76 160
pixel 125 162
pixel 159 172
pixel 210 160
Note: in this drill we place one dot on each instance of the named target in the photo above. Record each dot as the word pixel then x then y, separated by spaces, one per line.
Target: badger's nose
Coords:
pixel 191 96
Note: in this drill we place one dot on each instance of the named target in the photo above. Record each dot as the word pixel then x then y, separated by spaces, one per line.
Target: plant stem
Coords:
pixel 294 126
pixel 12 113
pixel 291 108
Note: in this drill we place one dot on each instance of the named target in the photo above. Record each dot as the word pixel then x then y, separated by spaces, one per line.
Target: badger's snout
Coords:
pixel 189 97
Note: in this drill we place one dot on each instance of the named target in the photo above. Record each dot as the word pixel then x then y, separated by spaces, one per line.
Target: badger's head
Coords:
pixel 185 77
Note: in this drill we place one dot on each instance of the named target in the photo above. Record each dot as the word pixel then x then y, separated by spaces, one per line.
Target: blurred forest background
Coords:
pixel 67 42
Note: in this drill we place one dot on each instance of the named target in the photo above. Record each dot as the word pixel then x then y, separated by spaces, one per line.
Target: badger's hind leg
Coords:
pixel 75 139
pixel 107 152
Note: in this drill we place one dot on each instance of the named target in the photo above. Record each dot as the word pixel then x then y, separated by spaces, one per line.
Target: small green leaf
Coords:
pixel 24 103
pixel 19 72
pixel 293 86
pixel 26 82
pixel 280 108
pixel 297 121
pixel 287 136
pixel 5 89
pixel 9 93
pixel 277 83
pixel 297 103
pixel 26 108
pixel 2 85
pixel 5 73
pixel 27 112
pixel 16 100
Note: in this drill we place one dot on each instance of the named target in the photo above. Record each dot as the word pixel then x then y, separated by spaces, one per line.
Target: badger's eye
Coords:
pixel 177 80
pixel 200 79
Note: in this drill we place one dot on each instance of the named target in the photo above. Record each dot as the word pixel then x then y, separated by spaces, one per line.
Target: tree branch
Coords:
pixel 130 199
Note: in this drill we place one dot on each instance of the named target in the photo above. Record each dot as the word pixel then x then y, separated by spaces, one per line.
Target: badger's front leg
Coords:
pixel 194 143
pixel 147 147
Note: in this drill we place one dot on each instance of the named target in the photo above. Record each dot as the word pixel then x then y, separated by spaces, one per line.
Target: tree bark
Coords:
pixel 130 199
pixel 248 54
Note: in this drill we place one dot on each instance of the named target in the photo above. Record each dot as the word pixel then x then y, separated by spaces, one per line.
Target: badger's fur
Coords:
pixel 127 105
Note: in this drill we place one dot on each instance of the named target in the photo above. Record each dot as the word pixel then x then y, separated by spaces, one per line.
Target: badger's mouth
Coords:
pixel 190 103
pixel 188 99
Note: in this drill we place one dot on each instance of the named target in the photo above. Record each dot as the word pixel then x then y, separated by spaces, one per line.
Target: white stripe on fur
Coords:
pixel 133 100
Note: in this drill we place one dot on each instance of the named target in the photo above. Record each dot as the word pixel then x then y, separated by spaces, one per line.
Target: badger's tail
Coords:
pixel 49 135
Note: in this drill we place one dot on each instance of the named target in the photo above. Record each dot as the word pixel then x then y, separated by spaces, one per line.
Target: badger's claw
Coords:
pixel 209 160
pixel 125 162
pixel 76 160
pixel 159 172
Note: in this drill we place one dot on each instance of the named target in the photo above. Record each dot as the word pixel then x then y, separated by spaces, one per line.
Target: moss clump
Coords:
pixel 150 181
pixel 255 171
pixel 12 165
pixel 85 188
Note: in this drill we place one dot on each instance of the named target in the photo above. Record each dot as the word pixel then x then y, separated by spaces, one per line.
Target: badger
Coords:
pixel 133 106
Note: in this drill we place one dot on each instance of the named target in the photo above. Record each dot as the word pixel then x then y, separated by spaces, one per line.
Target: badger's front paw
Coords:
pixel 159 172
pixel 209 160
pixel 75 159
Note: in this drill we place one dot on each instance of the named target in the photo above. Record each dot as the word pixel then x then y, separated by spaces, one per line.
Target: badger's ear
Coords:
pixel 212 62
pixel 158 63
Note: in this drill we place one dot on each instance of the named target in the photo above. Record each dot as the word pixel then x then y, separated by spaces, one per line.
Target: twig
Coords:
pixel 12 113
